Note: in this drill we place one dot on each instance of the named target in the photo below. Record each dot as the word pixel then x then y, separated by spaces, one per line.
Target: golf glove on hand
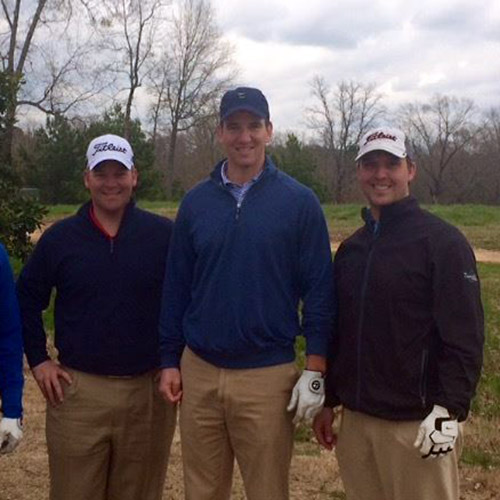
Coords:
pixel 437 433
pixel 11 432
pixel 308 396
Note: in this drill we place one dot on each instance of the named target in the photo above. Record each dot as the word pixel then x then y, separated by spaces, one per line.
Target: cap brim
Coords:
pixel 110 155
pixel 247 108
pixel 381 147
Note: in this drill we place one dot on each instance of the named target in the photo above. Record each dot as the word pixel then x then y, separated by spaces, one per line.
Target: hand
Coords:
pixel 308 395
pixel 47 375
pixel 11 432
pixel 437 433
pixel 322 427
pixel 171 385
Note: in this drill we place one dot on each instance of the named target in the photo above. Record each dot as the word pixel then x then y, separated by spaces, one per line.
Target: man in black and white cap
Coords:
pixel 108 430
pixel 408 340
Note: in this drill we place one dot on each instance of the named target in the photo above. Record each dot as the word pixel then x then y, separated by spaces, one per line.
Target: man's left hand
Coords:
pixel 11 432
pixel 437 433
pixel 308 396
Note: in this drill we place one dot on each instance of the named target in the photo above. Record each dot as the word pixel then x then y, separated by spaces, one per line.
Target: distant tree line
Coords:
pixel 69 58
pixel 456 148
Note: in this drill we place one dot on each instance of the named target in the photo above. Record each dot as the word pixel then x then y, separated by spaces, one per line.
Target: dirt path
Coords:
pixel 485 256
pixel 489 256
pixel 314 474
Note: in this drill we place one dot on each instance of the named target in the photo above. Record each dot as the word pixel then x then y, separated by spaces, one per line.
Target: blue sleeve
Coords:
pixel 34 287
pixel 316 278
pixel 11 346
pixel 176 291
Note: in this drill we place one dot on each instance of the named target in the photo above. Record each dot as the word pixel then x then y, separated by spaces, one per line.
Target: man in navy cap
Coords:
pixel 249 244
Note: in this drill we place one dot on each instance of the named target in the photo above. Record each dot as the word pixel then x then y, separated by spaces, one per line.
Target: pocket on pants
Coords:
pixel 70 390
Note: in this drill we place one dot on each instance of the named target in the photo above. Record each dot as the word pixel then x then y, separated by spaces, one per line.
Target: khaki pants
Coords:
pixel 377 461
pixel 227 414
pixel 109 439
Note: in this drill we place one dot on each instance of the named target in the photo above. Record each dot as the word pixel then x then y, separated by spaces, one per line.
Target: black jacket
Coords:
pixel 108 293
pixel 409 331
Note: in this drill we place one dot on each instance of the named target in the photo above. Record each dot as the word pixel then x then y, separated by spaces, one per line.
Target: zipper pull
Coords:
pixel 111 245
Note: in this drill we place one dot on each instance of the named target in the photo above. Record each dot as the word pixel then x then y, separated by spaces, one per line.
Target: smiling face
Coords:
pixel 384 179
pixel 244 137
pixel 111 186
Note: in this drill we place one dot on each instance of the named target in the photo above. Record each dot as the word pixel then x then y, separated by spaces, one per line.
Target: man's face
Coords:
pixel 384 178
pixel 244 137
pixel 110 185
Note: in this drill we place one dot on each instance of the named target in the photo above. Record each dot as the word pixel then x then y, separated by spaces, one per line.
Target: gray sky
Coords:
pixel 410 50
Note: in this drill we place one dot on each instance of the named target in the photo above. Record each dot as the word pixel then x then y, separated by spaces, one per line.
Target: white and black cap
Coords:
pixel 391 140
pixel 110 147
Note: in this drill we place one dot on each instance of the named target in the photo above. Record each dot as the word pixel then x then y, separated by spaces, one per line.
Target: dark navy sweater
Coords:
pixel 108 293
pixel 235 276
pixel 11 345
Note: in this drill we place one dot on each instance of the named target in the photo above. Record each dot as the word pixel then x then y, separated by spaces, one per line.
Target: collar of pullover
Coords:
pixel 85 211
pixel 269 170
pixel 390 213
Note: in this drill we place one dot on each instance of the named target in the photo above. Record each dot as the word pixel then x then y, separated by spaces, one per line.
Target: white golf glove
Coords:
pixel 11 432
pixel 437 433
pixel 308 396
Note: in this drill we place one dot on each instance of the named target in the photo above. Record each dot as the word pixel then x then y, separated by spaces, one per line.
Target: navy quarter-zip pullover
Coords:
pixel 107 301
pixel 236 274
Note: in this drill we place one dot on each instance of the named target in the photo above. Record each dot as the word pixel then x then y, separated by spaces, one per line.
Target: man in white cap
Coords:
pixel 407 349
pixel 108 430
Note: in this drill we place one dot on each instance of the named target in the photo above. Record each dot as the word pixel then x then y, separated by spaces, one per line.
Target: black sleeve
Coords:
pixel 458 314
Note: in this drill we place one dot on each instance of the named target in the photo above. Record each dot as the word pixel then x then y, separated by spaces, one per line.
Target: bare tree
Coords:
pixel 491 133
pixel 194 69
pixel 439 132
pixel 202 149
pixel 129 30
pixel 341 117
pixel 18 44
pixel 44 60
pixel 488 156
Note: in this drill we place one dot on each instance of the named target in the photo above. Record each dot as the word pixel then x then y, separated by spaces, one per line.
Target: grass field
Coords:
pixel 479 223
pixel 482 446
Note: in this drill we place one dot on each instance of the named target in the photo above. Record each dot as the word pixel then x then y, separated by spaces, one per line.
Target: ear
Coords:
pixel 218 132
pixel 269 129
pixel 86 178
pixel 358 170
pixel 135 176
pixel 412 170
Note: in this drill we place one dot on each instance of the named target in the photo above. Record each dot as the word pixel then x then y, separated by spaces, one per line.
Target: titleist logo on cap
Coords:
pixel 110 147
pixel 391 140
pixel 107 146
pixel 380 135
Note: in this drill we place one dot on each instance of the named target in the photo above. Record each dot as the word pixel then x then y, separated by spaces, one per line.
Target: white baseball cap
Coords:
pixel 110 147
pixel 387 139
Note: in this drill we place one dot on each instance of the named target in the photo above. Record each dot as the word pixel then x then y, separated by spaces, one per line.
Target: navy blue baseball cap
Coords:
pixel 244 99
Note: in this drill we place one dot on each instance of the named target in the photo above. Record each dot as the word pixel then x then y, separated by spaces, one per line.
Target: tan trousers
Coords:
pixel 227 414
pixel 109 439
pixel 377 461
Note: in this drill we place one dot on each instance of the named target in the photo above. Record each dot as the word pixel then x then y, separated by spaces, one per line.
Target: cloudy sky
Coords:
pixel 410 50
